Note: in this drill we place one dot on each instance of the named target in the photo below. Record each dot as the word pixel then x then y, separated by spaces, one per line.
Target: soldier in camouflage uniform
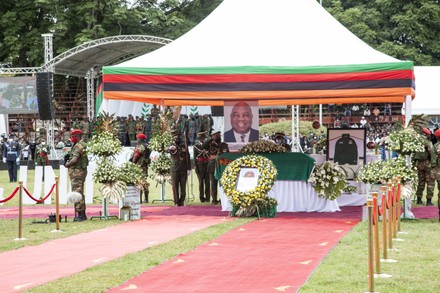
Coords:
pixel 437 168
pixel 131 128
pixel 141 157
pixel 180 165
pixel 201 165
pixel 425 162
pixel 41 154
pixel 77 165
pixel 214 147
pixel 85 128
pixel 154 113
pixel 140 125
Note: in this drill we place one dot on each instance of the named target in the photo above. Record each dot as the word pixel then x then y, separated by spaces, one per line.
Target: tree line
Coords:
pixel 404 29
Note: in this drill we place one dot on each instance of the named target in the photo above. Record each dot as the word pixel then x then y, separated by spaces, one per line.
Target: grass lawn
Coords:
pixel 343 270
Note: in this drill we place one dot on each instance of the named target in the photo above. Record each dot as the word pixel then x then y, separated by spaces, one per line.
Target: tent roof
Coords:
pixel 428 90
pixel 257 37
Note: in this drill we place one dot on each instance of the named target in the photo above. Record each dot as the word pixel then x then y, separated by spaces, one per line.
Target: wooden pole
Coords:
pixel 395 212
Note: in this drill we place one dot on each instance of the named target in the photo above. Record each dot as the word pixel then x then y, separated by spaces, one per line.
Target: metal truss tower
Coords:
pixel 48 56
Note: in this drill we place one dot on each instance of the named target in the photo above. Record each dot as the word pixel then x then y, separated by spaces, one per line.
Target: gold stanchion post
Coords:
pixel 370 246
pixel 390 214
pixel 383 190
pixel 20 210
pixel 395 206
pixel 57 203
pixel 399 203
pixel 376 232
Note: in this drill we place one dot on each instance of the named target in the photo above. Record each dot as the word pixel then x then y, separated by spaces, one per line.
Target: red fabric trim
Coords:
pixel 239 78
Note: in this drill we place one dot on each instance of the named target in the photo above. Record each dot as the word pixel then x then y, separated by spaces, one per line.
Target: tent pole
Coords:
pixel 408 112
pixel 162 105
pixel 320 114
pixel 296 146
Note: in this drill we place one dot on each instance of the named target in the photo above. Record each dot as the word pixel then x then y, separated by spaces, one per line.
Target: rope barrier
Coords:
pixel 39 200
pixel 11 196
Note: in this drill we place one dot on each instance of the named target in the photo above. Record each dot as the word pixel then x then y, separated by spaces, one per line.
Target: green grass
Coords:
pixel 345 268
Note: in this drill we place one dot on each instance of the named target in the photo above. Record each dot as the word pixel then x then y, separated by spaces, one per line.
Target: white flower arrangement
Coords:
pixel 384 171
pixel 262 146
pixel 104 144
pixel 328 180
pixel 406 141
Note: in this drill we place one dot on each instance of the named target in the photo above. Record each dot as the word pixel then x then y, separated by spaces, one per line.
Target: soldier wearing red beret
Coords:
pixel 77 165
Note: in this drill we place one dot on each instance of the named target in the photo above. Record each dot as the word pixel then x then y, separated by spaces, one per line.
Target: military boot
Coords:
pixel 429 202
pixel 419 200
pixel 77 217
pixel 83 215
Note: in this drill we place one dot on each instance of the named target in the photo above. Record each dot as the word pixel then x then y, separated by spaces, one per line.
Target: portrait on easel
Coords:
pixel 347 148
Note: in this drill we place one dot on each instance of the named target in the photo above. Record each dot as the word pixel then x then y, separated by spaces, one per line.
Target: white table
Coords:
pixel 292 196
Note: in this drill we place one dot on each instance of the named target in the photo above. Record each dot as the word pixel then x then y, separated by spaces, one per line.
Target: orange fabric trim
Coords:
pixel 266 97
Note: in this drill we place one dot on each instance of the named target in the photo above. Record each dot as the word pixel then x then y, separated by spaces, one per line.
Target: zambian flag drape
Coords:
pixel 363 83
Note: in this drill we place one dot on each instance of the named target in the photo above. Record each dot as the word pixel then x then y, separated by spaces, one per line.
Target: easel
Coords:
pixel 105 216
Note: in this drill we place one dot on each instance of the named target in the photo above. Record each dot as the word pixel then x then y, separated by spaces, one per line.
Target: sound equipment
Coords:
pixel 217 111
pixel 45 95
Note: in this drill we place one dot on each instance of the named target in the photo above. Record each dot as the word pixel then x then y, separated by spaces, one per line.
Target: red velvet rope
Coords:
pixel 398 192
pixel 382 210
pixel 11 196
pixel 39 200
pixel 389 198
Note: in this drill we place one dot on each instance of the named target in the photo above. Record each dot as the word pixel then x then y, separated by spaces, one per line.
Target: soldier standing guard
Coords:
pixel 131 129
pixel 425 162
pixel 41 154
pixel 437 168
pixel 77 165
pixel 180 165
pixel 11 156
pixel 214 148
pixel 201 162
pixel 141 157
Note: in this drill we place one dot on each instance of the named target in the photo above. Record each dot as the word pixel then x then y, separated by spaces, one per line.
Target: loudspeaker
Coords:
pixel 45 95
pixel 217 111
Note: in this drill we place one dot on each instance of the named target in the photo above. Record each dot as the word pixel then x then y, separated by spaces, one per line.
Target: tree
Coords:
pixel 404 29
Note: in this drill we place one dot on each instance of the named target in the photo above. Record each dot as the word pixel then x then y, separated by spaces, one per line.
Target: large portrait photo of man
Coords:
pixel 241 122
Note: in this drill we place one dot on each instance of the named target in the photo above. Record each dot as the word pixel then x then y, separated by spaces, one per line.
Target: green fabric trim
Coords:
pixel 403 65
pixel 290 166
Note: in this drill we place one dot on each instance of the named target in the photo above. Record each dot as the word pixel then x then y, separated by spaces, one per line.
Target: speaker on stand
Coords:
pixel 45 95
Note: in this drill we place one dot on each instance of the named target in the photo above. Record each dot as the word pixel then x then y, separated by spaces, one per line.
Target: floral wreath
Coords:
pixel 257 196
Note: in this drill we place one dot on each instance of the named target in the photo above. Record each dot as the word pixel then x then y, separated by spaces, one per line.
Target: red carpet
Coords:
pixel 34 265
pixel 262 256
pixel 425 212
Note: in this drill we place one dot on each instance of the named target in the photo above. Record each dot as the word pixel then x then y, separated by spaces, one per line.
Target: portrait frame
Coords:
pixel 247 179
pixel 347 147
pixel 228 106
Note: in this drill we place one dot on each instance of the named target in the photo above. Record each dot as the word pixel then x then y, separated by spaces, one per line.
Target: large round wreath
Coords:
pixel 249 200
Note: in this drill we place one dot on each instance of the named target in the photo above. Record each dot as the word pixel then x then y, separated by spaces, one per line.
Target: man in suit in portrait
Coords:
pixel 241 122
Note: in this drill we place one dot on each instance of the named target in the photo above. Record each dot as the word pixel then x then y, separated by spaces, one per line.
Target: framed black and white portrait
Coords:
pixel 346 146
